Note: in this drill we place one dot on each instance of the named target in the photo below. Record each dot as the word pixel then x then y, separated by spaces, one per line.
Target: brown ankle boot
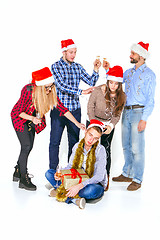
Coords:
pixel 52 192
pixel 134 186
pixel 122 178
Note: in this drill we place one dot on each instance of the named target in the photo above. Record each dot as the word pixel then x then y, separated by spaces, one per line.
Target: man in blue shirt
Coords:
pixel 140 90
pixel 67 75
pixel 89 155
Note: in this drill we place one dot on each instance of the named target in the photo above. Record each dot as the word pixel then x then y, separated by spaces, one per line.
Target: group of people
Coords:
pixel 58 90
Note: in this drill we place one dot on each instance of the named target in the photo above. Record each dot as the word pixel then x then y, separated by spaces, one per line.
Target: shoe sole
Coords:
pixel 93 201
pixel 82 203
pixel 22 186
pixel 16 179
pixel 126 180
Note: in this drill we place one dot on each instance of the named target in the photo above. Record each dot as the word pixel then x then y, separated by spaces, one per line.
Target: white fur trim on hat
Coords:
pixel 94 124
pixel 140 50
pixel 45 81
pixel 64 49
pixel 113 78
pixel 69 47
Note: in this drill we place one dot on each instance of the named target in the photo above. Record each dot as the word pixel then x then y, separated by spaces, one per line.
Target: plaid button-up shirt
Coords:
pixel 67 78
pixel 25 104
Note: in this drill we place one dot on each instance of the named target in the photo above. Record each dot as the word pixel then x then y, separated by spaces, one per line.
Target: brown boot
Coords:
pixel 122 178
pixel 134 186
pixel 52 192
pixel 81 202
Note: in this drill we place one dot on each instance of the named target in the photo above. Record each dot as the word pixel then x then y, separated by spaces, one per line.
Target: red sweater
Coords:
pixel 25 104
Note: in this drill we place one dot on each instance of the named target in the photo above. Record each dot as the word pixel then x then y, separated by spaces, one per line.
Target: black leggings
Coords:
pixel 26 139
pixel 106 142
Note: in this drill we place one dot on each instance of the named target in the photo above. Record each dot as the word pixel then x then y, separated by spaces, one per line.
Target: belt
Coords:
pixel 133 107
pixel 102 119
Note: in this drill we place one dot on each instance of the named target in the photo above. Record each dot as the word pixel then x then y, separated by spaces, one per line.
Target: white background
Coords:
pixel 31 32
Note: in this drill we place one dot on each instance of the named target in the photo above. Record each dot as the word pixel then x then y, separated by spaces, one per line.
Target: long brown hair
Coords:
pixel 120 98
pixel 44 102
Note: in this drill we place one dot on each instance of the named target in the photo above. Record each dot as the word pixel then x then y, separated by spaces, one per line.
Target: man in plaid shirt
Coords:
pixel 67 75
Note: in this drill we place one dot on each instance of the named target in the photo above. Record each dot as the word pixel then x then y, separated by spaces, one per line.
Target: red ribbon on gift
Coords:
pixel 74 173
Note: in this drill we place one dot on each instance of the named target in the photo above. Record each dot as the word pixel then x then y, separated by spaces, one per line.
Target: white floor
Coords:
pixel 33 215
pixel 119 215
pixel 30 215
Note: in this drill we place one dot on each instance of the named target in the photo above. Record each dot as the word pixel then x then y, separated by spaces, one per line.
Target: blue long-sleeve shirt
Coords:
pixel 67 78
pixel 140 88
pixel 99 175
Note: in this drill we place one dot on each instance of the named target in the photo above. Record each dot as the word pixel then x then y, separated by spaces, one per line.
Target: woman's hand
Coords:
pixel 30 118
pixel 107 130
pixel 36 120
pixel 81 126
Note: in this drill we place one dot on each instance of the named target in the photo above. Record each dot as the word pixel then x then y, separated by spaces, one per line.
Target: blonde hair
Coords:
pixel 44 102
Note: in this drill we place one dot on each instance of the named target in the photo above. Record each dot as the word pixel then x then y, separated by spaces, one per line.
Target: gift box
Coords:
pixel 71 177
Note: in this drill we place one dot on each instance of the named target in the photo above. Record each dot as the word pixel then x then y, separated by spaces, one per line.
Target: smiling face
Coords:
pixel 135 58
pixel 70 54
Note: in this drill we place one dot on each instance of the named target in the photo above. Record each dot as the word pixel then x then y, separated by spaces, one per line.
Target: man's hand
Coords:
pixel 106 65
pixel 97 64
pixel 74 190
pixel 87 91
pixel 57 176
pixel 141 125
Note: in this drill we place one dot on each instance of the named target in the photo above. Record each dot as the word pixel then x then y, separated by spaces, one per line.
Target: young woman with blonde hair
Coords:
pixel 28 117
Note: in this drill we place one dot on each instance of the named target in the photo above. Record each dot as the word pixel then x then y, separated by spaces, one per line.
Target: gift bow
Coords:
pixel 74 173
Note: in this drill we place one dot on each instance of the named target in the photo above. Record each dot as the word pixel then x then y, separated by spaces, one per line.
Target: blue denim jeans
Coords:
pixel 58 124
pixel 133 143
pixel 91 191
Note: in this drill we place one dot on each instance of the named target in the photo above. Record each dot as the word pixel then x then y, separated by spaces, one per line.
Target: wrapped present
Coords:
pixel 71 177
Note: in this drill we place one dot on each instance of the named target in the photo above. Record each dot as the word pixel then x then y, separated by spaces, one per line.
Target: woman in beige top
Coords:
pixel 105 104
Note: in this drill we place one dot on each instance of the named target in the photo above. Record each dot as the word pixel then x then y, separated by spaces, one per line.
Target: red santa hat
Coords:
pixel 141 49
pixel 67 44
pixel 42 77
pixel 94 122
pixel 115 74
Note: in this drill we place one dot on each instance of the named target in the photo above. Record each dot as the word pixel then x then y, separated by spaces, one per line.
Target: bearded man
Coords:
pixel 140 90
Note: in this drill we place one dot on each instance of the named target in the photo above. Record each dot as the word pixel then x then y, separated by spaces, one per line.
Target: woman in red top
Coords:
pixel 28 117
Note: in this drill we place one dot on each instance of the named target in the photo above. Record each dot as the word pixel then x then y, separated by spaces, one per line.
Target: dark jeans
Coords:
pixel 106 142
pixel 26 139
pixel 57 126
